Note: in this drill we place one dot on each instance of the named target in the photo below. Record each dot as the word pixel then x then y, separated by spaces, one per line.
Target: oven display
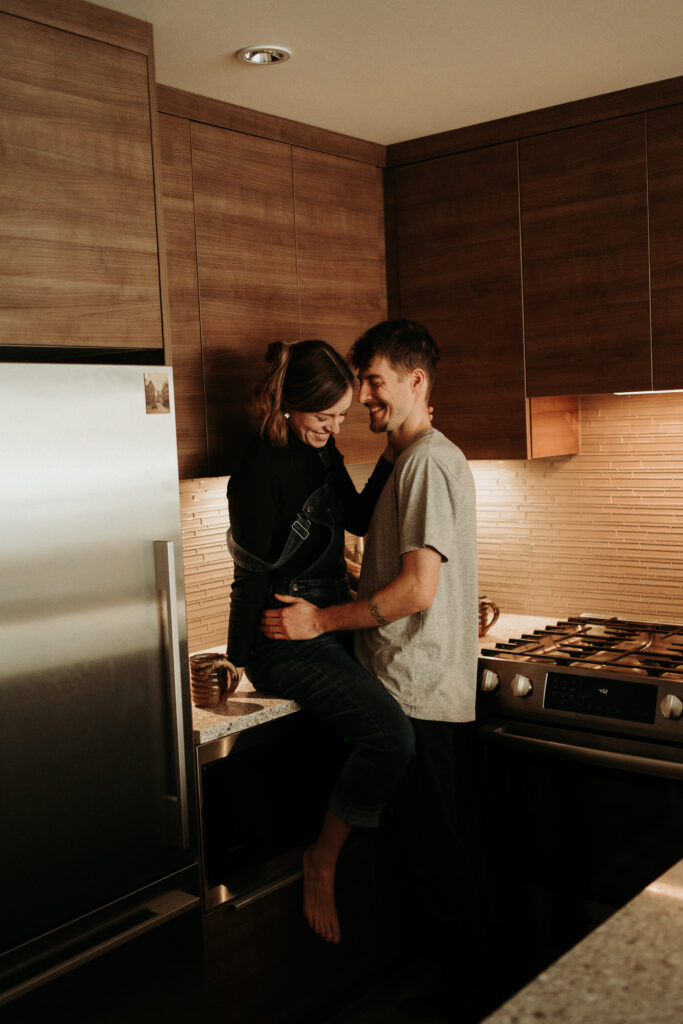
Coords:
pixel 605 698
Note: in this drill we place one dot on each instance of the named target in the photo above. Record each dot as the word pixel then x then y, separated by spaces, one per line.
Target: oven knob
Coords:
pixel 671 706
pixel 490 680
pixel 521 686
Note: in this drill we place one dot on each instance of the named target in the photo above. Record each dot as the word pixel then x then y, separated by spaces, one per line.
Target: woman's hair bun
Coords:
pixel 274 351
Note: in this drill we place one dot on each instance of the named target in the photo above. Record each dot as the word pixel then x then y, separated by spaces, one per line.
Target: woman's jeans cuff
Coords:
pixel 356 817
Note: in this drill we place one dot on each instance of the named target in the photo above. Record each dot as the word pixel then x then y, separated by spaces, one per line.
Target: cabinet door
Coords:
pixel 585 255
pixel 340 254
pixel 246 263
pixel 78 254
pixel 665 174
pixel 457 236
pixel 183 295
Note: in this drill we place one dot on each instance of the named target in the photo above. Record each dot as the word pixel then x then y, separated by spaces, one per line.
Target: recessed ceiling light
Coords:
pixel 264 54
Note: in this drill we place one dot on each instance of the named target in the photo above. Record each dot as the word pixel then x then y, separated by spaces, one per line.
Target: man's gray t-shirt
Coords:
pixel 427 661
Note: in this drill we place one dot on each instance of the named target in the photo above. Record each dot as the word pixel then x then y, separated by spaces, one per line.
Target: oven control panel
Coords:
pixel 590 699
pixel 601 696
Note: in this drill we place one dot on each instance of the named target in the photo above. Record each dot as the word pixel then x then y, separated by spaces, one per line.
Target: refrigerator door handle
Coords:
pixel 164 560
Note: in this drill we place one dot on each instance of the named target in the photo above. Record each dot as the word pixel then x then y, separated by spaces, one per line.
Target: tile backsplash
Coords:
pixel 208 567
pixel 598 532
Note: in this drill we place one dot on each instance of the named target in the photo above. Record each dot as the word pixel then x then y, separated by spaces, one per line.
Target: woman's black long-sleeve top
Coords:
pixel 264 496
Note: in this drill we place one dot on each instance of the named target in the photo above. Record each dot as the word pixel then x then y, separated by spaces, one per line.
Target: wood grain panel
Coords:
pixel 78 263
pixel 188 376
pixel 554 426
pixel 86 19
pixel 267 126
pixel 665 170
pixel 585 254
pixel 341 259
pixel 536 122
pixel 457 229
pixel 247 273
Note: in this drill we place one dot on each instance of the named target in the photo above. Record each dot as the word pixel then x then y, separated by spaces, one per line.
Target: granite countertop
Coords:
pixel 508 627
pixel 248 707
pixel 627 971
pixel 245 708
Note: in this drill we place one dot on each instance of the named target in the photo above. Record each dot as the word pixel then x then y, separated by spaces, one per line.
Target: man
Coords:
pixel 416 619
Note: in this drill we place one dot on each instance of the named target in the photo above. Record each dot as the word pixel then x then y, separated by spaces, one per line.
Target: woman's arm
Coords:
pixel 411 591
pixel 358 508
pixel 252 504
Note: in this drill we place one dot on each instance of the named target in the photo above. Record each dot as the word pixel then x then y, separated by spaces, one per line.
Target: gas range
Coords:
pixel 580 730
pixel 599 675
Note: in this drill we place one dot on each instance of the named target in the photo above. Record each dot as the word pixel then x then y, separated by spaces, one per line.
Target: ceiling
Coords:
pixel 390 70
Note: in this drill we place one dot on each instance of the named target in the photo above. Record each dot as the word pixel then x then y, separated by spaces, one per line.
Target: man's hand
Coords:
pixel 297 622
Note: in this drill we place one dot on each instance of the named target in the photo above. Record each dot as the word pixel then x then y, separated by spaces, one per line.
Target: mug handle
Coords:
pixel 228 676
pixel 486 603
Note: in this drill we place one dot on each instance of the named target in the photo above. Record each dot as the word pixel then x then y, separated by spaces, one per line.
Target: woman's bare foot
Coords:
pixel 320 909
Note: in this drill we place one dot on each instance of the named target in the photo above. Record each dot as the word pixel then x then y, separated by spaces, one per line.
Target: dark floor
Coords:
pixel 381 1004
pixel 407 995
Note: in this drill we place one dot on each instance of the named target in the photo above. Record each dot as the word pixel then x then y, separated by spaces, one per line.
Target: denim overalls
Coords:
pixel 317 584
pixel 323 677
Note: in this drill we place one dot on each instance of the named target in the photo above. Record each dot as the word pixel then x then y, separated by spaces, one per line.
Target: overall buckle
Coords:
pixel 301 526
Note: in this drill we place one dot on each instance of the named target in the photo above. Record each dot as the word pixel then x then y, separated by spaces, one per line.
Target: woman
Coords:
pixel 290 502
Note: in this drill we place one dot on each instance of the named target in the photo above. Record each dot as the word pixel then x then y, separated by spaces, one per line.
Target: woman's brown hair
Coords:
pixel 304 376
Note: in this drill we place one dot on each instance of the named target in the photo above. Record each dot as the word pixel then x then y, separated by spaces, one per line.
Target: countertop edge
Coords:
pixel 627 971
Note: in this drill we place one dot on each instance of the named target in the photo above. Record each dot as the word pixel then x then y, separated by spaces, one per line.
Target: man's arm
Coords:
pixel 411 591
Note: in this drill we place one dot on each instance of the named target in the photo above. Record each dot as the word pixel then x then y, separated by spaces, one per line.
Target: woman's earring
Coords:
pixel 286 415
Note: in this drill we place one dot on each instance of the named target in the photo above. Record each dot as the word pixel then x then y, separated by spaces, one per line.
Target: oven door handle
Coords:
pixel 586 755
pixel 240 902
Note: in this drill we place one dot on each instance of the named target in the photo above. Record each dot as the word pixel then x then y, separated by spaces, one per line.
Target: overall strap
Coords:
pixel 298 533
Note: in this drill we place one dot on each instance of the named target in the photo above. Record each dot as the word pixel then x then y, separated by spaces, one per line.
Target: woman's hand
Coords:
pixel 299 621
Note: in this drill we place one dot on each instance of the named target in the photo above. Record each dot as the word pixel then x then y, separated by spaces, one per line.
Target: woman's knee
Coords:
pixel 401 741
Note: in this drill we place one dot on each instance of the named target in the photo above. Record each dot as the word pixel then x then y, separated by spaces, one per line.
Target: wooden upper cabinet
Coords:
pixel 79 261
pixel 458 272
pixel 246 263
pixel 457 240
pixel 585 258
pixel 339 210
pixel 183 295
pixel 665 171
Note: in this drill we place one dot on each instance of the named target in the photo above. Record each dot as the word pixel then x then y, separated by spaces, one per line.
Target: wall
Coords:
pixel 598 532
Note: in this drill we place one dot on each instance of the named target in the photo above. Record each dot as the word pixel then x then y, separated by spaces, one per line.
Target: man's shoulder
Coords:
pixel 433 445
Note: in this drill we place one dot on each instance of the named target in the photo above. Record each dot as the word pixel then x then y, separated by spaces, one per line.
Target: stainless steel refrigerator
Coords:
pixel 97 812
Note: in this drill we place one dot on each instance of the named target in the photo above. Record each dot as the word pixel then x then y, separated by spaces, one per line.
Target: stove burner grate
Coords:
pixel 601 645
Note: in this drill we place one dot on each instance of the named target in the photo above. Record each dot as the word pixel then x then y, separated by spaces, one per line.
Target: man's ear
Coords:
pixel 419 377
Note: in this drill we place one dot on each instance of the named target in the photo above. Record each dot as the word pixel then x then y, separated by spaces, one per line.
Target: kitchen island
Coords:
pixel 628 971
